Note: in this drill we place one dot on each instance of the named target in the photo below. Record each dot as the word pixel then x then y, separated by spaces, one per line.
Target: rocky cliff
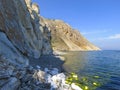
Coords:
pixel 21 32
pixel 25 34
pixel 22 36
pixel 63 37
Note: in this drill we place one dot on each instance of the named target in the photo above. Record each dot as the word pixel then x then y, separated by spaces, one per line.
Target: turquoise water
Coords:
pixel 101 67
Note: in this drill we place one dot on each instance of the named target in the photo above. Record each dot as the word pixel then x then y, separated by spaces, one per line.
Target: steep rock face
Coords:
pixel 66 38
pixel 21 33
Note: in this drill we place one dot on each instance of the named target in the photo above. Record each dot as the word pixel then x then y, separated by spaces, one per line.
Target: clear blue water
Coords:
pixel 105 64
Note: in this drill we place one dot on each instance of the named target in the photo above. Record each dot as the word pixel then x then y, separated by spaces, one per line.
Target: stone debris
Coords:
pixel 46 70
pixel 13 84
pixel 55 79
pixel 54 71
pixel 38 67
pixel 28 78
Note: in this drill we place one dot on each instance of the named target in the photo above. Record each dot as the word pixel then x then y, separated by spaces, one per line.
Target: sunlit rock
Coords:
pixel 65 38
pixel 35 7
pixel 75 87
pixel 39 75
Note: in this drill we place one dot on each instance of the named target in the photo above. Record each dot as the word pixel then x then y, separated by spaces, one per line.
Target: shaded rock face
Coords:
pixel 13 77
pixel 7 80
pixel 21 32
pixel 66 38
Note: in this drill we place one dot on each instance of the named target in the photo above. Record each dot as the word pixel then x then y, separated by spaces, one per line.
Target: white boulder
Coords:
pixel 75 87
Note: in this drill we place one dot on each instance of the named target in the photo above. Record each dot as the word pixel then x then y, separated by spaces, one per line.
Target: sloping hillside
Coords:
pixel 64 37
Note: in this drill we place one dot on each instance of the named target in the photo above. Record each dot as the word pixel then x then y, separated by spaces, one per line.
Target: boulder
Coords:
pixel 54 71
pixel 75 87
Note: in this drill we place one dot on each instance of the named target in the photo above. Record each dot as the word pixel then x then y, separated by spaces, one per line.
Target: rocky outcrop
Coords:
pixel 66 38
pixel 13 77
pixel 21 36
pixel 21 32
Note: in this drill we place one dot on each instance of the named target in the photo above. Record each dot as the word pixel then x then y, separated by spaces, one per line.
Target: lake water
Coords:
pixel 101 67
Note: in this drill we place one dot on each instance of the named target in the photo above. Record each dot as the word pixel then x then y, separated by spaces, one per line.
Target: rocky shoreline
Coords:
pixel 32 77
pixel 24 38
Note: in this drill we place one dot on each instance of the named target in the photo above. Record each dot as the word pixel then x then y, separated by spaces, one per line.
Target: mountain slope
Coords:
pixel 63 37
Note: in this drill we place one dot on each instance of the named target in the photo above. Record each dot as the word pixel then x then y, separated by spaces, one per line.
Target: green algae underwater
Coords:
pixel 93 70
pixel 83 82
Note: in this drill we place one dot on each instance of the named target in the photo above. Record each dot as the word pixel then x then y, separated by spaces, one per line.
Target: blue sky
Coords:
pixel 97 20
